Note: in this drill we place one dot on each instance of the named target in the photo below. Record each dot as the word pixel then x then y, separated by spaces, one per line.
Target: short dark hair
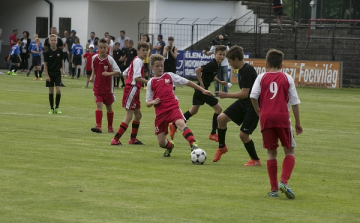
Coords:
pixel 93 32
pixel 220 48
pixel 27 33
pixel 142 44
pixel 274 58
pixel 147 37
pixel 122 31
pixel 14 30
pixel 235 52
pixel 103 40
pixel 171 38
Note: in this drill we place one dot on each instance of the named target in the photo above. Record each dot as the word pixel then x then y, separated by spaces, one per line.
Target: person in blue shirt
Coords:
pixel 15 58
pixel 76 52
pixel 32 43
pixel 36 50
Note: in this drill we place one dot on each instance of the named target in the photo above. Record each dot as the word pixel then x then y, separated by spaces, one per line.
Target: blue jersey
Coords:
pixel 95 50
pixel 15 50
pixel 34 48
pixel 32 43
pixel 77 49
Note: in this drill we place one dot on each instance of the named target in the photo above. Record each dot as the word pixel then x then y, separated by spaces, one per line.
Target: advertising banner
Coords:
pixel 321 74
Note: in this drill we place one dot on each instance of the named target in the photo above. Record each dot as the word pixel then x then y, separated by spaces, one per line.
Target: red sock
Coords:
pixel 169 145
pixel 287 168
pixel 272 172
pixel 189 136
pixel 134 130
pixel 98 117
pixel 121 130
pixel 110 118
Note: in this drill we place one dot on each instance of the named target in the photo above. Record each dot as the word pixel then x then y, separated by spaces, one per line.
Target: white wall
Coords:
pixel 115 16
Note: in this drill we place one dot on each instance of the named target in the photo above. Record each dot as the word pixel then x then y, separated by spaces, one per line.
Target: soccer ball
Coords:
pixel 229 85
pixel 198 156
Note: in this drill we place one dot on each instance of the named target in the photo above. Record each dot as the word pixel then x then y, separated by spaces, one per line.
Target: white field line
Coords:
pixel 203 121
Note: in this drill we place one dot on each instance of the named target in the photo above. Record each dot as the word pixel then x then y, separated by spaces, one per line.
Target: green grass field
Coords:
pixel 54 169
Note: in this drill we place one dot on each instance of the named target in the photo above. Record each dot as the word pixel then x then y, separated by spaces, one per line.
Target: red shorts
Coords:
pixel 131 97
pixel 107 99
pixel 271 137
pixel 162 121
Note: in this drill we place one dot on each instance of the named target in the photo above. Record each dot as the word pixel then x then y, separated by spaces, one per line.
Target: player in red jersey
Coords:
pixel 131 97
pixel 103 68
pixel 276 90
pixel 88 58
pixel 160 93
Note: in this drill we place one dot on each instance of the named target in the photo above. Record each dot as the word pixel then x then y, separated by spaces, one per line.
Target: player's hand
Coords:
pixel 156 101
pixel 91 79
pixel 204 51
pixel 298 129
pixel 105 73
pixel 221 94
pixel 223 82
pixel 206 92
pixel 202 85
pixel 47 78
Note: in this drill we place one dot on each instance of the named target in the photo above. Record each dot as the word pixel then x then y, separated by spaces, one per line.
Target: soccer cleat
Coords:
pixel 115 142
pixel 58 111
pixel 253 163
pixel 110 129
pixel 28 73
pixel 168 151
pixel 9 72
pixel 40 79
pixel 284 188
pixel 135 142
pixel 194 146
pixel 35 79
pixel 219 152
pixel 214 137
pixel 273 193
pixel 51 111
pixel 172 130
pixel 13 73
pixel 96 129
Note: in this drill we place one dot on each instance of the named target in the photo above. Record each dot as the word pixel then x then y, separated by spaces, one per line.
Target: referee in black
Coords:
pixel 53 62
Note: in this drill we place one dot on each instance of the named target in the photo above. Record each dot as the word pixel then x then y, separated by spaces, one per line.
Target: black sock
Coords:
pixel 31 67
pixel 41 70
pixel 214 123
pixel 79 71
pixel 122 80
pixel 57 100
pixel 16 68
pixel 10 69
pixel 36 74
pixel 221 136
pixel 187 115
pixel 250 147
pixel 51 100
pixel 73 72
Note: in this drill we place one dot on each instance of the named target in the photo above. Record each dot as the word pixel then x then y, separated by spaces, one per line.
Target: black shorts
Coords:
pixel 77 60
pixel 14 59
pixel 200 98
pixel 55 80
pixel 88 72
pixel 278 11
pixel 65 56
pixel 239 114
pixel 36 61
pixel 146 67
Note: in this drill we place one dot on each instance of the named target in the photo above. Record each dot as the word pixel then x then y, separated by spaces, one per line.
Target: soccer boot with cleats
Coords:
pixel 110 129
pixel 253 163
pixel 14 74
pixel 58 111
pixel 172 130
pixel 214 137
pixel 273 193
pixel 284 188
pixel 135 142
pixel 9 73
pixel 51 111
pixel 219 153
pixel 96 129
pixel 168 151
pixel 115 142
pixel 194 146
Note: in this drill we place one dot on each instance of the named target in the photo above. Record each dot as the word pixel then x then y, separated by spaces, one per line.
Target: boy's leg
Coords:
pixel 123 127
pixel 135 127
pixel 165 143
pixel 51 99
pixel 217 111
pixel 110 117
pixel 272 169
pixel 98 117
pixel 250 148
pixel 187 133
pixel 288 164
pixel 58 97
pixel 192 111
pixel 73 71
pixel 41 70
pixel 78 71
pixel 222 120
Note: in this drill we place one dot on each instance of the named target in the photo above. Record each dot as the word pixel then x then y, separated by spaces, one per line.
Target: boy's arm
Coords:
pixel 63 67
pixel 238 95
pixel 197 87
pixel 174 54
pixel 46 72
pixel 92 76
pixel 198 75
pixel 255 103
pixel 219 81
pixel 140 79
pixel 296 111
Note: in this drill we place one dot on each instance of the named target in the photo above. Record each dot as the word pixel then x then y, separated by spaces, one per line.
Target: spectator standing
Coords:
pixel 122 38
pixel 160 45
pixel 92 38
pixel 36 50
pixel 32 43
pixel 131 53
pixel 60 44
pixel 65 57
pixel 88 61
pixel 116 56
pixel 170 54
pixel 278 11
pixel 76 52
pixel 145 38
pixel 25 51
pixel 69 42
pixel 13 42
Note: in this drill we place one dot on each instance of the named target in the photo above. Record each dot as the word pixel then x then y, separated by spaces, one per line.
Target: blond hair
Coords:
pixel 154 58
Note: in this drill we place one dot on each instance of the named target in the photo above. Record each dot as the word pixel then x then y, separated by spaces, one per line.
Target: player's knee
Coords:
pixel 244 137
